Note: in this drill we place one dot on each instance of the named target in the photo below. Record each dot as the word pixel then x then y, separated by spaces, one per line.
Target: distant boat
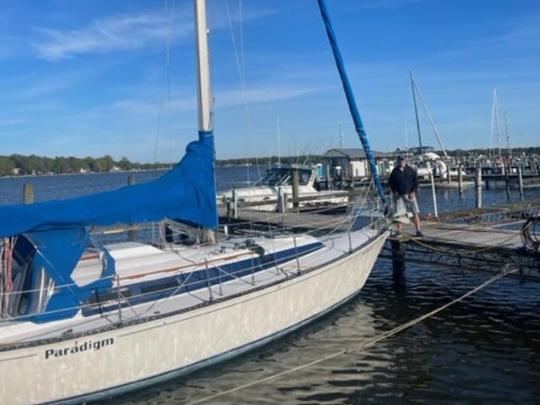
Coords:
pixel 278 182
pixel 83 320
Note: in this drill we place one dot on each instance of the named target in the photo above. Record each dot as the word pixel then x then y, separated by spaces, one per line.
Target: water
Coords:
pixel 485 349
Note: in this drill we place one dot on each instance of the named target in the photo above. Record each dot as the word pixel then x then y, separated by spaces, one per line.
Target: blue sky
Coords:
pixel 117 77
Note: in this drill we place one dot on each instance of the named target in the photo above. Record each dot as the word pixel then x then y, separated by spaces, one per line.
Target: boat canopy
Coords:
pixel 52 236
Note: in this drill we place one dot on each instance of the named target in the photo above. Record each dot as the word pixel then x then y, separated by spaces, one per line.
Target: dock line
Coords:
pixel 363 345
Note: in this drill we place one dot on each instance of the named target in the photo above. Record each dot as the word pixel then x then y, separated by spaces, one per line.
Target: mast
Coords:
pixel 428 113
pixel 495 130
pixel 278 133
pixel 204 89
pixel 416 112
pixel 509 150
pixel 358 124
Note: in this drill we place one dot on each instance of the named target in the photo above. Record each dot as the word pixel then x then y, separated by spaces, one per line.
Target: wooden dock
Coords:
pixel 480 239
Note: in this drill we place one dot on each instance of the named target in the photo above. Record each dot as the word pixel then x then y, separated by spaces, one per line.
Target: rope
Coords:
pixel 354 348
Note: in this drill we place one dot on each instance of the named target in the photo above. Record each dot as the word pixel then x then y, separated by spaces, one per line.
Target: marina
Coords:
pixel 367 267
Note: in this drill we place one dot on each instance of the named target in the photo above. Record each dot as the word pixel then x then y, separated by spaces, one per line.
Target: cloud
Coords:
pixel 224 99
pixel 116 33
pixel 129 32
pixel 522 34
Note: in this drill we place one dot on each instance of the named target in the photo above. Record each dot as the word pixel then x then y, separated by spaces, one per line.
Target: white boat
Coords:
pixel 278 183
pixel 83 320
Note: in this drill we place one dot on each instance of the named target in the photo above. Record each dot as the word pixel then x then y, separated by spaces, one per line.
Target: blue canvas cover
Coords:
pixel 187 193
pixel 58 230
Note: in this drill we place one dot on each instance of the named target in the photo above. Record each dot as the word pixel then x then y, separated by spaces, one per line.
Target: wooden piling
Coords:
pixel 448 175
pixel 433 192
pixel 507 181
pixel 398 256
pixel 295 187
pixel 282 201
pixel 520 181
pixel 328 178
pixel 28 194
pixel 460 180
pixel 234 203
pixel 478 187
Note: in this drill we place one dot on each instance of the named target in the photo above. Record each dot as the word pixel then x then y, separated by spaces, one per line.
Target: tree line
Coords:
pixel 38 165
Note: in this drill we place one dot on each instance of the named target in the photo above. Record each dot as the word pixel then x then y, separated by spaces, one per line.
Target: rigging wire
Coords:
pixel 166 91
pixel 239 56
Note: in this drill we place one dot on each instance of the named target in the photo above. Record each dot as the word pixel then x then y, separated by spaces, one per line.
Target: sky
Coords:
pixel 89 78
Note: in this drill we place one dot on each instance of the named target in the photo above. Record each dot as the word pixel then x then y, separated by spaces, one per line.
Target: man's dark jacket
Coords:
pixel 404 181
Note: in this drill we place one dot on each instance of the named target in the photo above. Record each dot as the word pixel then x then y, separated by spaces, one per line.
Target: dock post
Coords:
pixel 130 232
pixel 234 203
pixel 460 180
pixel 506 168
pixel 281 201
pixel 448 175
pixel 285 204
pixel 28 193
pixel 520 181
pixel 328 178
pixel 478 187
pixel 433 193
pixel 398 256
pixel 295 186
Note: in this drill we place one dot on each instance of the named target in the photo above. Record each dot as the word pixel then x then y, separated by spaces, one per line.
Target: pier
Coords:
pixel 477 239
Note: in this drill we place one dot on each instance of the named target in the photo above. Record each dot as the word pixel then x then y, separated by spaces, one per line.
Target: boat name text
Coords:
pixel 89 345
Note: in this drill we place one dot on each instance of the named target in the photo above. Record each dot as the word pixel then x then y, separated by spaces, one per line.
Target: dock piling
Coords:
pixel 234 203
pixel 28 193
pixel 520 181
pixel 398 256
pixel 433 193
pixel 295 186
pixel 506 169
pixel 460 180
pixel 478 187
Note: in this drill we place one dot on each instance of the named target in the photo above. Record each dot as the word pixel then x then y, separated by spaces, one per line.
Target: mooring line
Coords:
pixel 363 345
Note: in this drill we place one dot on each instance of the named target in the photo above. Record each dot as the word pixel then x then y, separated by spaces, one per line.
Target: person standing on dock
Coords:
pixel 403 182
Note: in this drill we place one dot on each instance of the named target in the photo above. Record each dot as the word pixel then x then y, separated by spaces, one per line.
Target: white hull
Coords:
pixel 133 356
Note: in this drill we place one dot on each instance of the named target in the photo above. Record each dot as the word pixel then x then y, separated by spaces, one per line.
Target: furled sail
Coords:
pixel 186 193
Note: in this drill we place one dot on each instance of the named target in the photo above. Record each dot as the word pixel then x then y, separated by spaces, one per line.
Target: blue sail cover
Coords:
pixel 55 233
pixel 187 193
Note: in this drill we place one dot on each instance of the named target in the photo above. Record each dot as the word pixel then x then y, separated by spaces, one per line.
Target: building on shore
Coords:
pixel 350 164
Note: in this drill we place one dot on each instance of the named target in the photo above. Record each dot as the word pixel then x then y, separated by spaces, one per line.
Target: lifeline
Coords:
pixel 78 348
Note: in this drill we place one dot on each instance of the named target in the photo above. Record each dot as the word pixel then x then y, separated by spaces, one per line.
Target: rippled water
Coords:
pixel 485 349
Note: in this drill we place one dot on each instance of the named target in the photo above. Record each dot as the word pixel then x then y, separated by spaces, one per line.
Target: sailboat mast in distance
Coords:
pixel 416 111
pixel 509 150
pixel 204 89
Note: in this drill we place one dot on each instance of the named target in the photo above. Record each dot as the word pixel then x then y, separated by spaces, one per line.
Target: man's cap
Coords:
pixel 401 158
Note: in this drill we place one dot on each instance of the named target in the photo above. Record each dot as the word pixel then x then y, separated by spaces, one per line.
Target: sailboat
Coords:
pixel 83 320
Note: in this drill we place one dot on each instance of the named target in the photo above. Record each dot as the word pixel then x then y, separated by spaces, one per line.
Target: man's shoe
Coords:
pixel 419 234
